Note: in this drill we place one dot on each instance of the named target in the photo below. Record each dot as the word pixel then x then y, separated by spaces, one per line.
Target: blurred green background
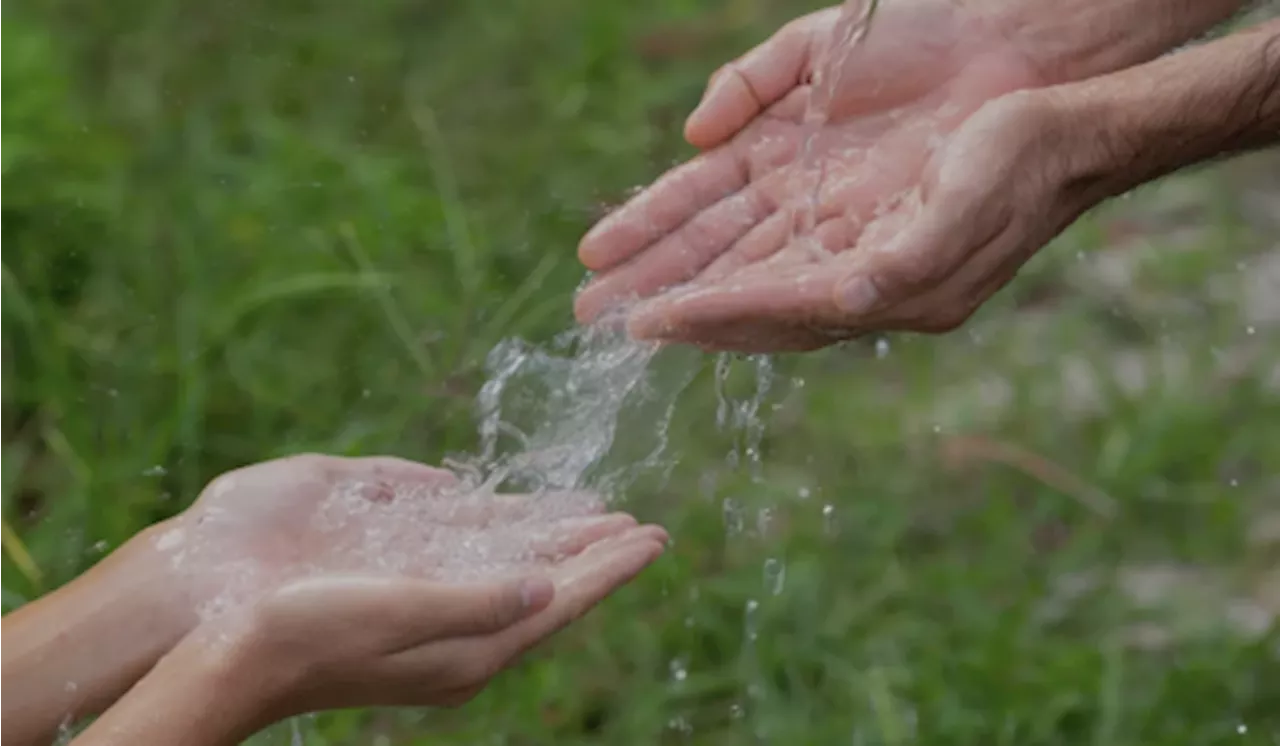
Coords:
pixel 238 230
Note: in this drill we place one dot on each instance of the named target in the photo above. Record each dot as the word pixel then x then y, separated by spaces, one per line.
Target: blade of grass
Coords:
pixel 395 317
pixel 288 289
pixel 463 248
pixel 17 552
pixel 516 301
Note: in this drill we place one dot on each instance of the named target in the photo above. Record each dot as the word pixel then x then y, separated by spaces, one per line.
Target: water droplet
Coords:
pixel 803 493
pixel 155 471
pixel 365 393
pixel 736 712
pixel 775 575
pixel 679 669
pixel 1242 729
pixel 1250 330
pixel 882 348
pixel 99 546
pixel 1234 482
pixel 937 428
pixel 764 521
pixel 733 520
pixel 680 724
pixel 828 517
pixel 749 618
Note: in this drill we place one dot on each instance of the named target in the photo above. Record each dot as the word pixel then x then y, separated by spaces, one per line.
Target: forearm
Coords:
pixel 1212 99
pixel 75 651
pixel 205 692
pixel 1070 40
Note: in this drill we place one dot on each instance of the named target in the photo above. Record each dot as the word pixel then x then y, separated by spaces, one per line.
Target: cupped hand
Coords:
pixel 729 226
pixel 256 529
pixel 349 640
pixel 317 582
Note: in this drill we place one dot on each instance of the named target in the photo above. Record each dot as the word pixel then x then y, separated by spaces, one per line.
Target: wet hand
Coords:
pixel 345 639
pixel 348 640
pixel 256 529
pixel 725 222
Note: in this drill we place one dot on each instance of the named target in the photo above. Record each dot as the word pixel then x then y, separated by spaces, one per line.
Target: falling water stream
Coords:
pixel 549 416
pixel 851 27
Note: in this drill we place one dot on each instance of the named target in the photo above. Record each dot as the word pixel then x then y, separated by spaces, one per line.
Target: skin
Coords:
pixel 312 582
pixel 951 154
pixel 350 641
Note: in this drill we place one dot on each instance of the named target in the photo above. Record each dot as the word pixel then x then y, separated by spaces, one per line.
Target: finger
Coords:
pixel 585 581
pixel 580 584
pixel 747 86
pixel 791 290
pixel 791 297
pixel 678 256
pixel 756 337
pixel 385 614
pixel 569 537
pixel 761 242
pixel 665 205
pixel 440 611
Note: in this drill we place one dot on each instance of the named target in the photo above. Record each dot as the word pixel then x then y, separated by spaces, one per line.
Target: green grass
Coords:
pixel 241 230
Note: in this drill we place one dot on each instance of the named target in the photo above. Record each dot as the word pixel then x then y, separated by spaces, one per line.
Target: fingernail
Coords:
pixel 534 592
pixel 857 295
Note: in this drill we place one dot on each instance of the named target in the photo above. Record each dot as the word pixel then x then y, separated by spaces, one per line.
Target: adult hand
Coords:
pixel 1005 183
pixel 924 188
pixel 726 217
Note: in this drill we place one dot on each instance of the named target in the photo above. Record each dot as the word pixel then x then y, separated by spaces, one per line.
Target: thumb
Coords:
pixel 481 609
pixel 933 245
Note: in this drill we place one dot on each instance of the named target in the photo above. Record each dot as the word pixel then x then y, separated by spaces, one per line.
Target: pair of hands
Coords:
pixel 945 161
pixel 317 582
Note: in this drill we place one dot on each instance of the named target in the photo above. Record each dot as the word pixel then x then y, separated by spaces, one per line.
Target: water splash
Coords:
pixel 548 415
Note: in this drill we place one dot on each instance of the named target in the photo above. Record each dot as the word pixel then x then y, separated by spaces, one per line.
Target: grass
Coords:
pixel 242 230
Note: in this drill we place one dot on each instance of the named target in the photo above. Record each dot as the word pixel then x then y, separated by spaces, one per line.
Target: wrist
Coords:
pixel 77 650
pixel 1078 39
pixel 1133 126
pixel 213 689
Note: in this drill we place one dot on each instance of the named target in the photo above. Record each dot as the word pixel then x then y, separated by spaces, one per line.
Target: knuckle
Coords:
pixel 497 612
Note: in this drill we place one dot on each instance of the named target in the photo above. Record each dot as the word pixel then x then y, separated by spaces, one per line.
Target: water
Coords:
pixel 549 415
pixel 849 30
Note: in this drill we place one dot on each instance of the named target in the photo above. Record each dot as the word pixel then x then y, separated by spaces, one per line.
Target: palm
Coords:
pixel 757 203
pixel 257 528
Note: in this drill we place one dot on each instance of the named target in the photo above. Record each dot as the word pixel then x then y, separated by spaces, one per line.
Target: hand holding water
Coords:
pixel 764 222
pixel 940 152
pixel 301 579
pixel 335 640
